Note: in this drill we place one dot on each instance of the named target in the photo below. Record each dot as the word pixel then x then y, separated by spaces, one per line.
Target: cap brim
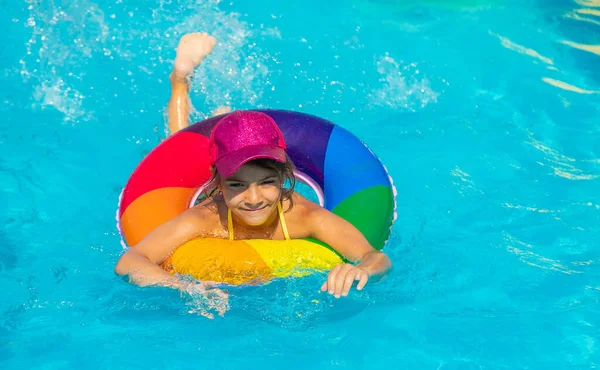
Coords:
pixel 231 162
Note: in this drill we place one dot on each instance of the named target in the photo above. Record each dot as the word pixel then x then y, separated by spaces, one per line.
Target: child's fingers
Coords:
pixel 331 279
pixel 207 314
pixel 223 296
pixel 349 281
pixel 324 287
pixel 209 283
pixel 341 280
pixel 362 278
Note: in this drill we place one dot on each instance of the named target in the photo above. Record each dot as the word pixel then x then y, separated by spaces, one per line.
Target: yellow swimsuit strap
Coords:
pixel 286 235
pixel 229 224
pixel 279 210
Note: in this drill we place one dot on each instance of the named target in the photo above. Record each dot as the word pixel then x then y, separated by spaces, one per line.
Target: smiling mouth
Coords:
pixel 254 210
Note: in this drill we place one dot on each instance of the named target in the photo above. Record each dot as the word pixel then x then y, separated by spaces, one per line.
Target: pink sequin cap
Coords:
pixel 243 136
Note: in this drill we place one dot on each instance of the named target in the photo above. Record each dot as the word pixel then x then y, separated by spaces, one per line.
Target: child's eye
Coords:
pixel 235 184
pixel 268 182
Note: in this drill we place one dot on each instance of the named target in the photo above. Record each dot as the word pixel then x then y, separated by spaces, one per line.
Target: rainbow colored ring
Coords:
pixel 347 177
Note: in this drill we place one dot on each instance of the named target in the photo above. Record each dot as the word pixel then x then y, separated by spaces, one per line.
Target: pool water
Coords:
pixel 486 114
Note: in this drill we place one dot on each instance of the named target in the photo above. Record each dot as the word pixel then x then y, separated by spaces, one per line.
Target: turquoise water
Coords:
pixel 486 114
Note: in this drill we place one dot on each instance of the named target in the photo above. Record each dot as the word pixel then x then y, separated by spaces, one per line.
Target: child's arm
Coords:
pixel 142 261
pixel 347 240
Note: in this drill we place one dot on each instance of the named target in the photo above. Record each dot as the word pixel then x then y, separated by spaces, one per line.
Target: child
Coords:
pixel 248 199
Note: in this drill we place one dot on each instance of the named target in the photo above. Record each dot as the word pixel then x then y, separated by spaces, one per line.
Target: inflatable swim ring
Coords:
pixel 347 177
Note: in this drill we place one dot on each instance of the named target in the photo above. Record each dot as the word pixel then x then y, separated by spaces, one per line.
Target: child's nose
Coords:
pixel 253 199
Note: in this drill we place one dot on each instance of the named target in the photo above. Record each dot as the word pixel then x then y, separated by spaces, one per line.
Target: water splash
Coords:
pixel 237 69
pixel 63 40
pixel 402 87
pixel 73 44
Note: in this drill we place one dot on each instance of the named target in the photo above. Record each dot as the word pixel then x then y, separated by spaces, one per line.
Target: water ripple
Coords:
pixel 562 165
pixel 526 255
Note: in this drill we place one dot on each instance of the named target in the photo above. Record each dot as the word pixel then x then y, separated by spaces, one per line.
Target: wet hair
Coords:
pixel 285 172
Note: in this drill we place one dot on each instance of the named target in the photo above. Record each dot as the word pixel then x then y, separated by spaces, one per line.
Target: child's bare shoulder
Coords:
pixel 303 207
pixel 205 213
pixel 203 220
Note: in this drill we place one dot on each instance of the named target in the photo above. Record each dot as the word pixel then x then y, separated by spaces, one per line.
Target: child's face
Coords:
pixel 252 193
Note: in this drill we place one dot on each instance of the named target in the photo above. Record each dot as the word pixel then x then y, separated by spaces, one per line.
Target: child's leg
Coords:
pixel 192 48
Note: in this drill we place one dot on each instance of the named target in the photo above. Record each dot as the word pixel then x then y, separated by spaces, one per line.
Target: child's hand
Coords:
pixel 342 277
pixel 207 298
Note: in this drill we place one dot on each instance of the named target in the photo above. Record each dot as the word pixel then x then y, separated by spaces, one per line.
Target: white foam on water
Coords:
pixel 66 38
pixel 402 87
pixel 63 39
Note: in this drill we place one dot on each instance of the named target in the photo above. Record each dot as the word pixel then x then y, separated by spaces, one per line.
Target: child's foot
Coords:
pixel 221 110
pixel 192 48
